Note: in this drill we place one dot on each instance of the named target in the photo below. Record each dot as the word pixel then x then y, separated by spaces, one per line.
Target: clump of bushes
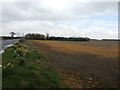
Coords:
pixel 8 68
pixel 20 53
pixel 35 36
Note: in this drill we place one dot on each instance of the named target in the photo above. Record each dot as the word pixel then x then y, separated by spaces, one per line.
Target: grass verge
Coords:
pixel 24 67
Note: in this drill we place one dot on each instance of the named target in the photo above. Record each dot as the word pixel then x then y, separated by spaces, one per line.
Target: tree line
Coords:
pixel 37 36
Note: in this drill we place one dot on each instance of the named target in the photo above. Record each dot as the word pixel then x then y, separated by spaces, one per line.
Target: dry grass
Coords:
pixel 95 59
pixel 96 48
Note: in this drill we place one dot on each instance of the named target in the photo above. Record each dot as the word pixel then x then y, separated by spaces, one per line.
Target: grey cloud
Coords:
pixel 36 11
pixel 91 8
pixel 35 17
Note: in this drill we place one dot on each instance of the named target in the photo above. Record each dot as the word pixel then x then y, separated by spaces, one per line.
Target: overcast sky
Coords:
pixel 61 18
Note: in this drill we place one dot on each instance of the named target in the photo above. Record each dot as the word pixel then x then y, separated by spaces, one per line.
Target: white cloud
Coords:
pixel 54 11
pixel 60 30
pixel 100 33
pixel 43 16
pixel 64 0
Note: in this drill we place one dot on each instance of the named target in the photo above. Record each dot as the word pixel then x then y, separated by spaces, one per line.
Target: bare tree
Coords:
pixel 47 36
pixel 12 34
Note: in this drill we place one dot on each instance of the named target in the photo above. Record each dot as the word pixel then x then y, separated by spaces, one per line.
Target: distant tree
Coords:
pixel 87 39
pixel 35 36
pixel 12 34
pixel 47 36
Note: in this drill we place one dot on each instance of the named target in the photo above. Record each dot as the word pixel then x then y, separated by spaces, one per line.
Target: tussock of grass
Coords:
pixel 31 74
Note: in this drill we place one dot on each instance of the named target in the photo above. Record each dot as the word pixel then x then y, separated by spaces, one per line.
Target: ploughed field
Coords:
pixel 83 64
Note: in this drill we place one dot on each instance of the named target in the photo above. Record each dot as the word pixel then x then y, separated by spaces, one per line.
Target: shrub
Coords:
pixel 20 53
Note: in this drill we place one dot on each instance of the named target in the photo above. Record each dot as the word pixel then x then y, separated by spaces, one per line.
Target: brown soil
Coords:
pixel 83 64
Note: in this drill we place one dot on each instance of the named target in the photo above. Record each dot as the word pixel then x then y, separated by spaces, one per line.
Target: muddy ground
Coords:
pixel 83 64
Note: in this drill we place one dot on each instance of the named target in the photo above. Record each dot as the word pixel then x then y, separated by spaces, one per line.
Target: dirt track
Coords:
pixel 87 64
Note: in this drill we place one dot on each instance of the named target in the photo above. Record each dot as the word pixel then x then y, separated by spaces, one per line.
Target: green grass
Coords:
pixel 34 73
pixel 0 71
